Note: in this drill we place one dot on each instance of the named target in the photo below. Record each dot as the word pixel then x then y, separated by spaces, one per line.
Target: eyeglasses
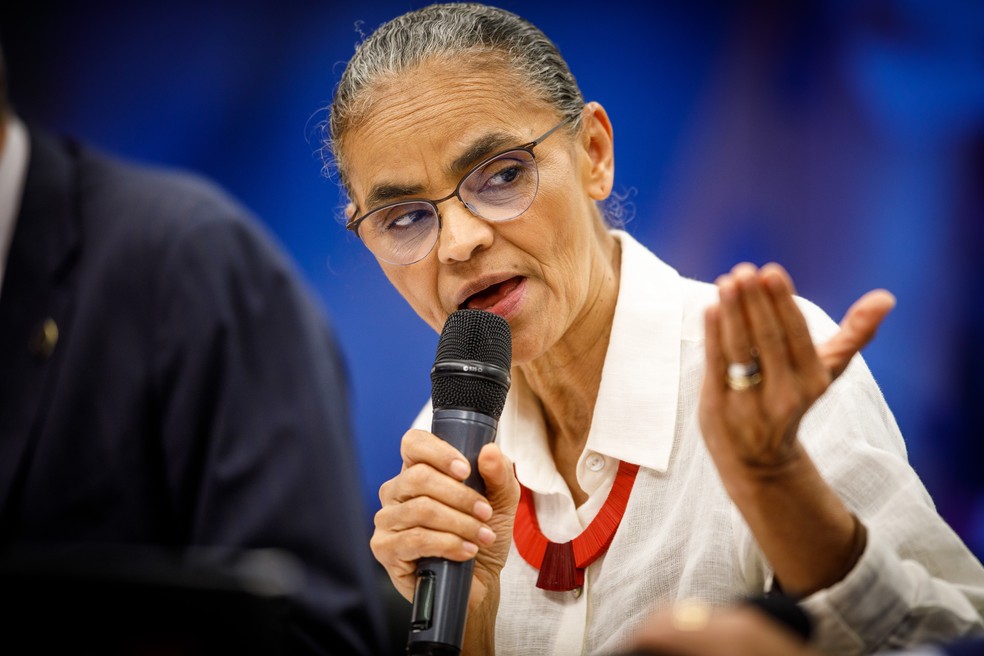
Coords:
pixel 499 188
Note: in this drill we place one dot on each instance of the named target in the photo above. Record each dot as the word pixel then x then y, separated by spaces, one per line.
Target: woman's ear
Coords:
pixel 598 143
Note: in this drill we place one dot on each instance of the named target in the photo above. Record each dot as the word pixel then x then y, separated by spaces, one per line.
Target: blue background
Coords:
pixel 844 139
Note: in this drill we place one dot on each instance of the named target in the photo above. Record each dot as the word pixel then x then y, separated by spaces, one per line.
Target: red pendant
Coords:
pixel 562 565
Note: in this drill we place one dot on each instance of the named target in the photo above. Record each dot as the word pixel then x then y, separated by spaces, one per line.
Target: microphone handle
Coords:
pixel 440 600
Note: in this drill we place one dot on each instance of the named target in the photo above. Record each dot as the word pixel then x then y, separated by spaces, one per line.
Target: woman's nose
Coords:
pixel 462 233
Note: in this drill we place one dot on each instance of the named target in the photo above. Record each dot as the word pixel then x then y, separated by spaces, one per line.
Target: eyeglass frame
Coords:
pixel 354 223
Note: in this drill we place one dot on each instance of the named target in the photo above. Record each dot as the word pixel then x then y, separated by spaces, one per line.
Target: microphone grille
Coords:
pixel 476 335
pixel 472 335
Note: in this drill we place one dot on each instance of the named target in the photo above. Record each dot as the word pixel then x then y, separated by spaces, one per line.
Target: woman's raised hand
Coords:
pixel 750 421
pixel 427 511
pixel 763 374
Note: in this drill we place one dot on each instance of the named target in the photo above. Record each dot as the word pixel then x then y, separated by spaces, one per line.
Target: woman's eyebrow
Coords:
pixel 482 147
pixel 478 149
pixel 383 193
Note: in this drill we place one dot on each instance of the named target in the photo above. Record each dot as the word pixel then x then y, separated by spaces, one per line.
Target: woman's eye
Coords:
pixel 502 174
pixel 505 176
pixel 404 220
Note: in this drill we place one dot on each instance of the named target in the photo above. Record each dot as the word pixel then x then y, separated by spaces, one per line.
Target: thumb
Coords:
pixel 502 492
pixel 857 328
pixel 501 486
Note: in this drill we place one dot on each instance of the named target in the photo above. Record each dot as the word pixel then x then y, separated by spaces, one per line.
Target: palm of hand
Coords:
pixel 755 430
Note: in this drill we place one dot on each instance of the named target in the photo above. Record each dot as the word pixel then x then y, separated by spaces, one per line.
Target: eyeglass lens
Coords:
pixel 497 190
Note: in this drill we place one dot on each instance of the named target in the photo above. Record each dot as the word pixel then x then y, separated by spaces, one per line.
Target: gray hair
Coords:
pixel 450 31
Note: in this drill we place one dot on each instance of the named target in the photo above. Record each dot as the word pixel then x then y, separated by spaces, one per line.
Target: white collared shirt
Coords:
pixel 681 537
pixel 13 169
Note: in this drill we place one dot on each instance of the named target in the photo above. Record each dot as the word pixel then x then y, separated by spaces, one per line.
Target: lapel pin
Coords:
pixel 44 339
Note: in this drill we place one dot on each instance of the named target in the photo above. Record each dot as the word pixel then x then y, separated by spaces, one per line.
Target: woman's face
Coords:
pixel 422 134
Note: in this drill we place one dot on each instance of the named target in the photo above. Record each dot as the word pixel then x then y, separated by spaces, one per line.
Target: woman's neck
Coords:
pixel 567 377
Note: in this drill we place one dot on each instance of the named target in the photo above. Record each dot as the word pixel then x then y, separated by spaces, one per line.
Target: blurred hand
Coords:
pixel 429 512
pixel 691 629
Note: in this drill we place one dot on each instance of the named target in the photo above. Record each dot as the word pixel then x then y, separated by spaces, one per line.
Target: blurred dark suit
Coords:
pixel 165 380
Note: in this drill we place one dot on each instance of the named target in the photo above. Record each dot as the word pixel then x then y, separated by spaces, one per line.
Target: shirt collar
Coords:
pixel 639 381
pixel 13 169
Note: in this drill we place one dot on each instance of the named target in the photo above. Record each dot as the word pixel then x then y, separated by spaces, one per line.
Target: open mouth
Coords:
pixel 492 295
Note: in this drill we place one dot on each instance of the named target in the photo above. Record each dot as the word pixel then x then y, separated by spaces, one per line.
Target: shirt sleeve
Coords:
pixel 255 434
pixel 916 581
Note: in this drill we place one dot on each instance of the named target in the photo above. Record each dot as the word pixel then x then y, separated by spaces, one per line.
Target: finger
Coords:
pixel 715 379
pixel 735 343
pixel 403 575
pixel 802 351
pixel 424 481
pixel 857 328
pixel 398 553
pixel 413 544
pixel 501 486
pixel 420 446
pixel 765 329
pixel 428 513
pixel 502 489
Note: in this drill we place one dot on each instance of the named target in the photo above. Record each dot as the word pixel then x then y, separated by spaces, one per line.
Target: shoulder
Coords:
pixel 157 219
pixel 180 246
pixel 148 193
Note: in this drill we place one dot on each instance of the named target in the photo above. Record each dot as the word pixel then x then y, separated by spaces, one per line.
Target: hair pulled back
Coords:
pixel 450 31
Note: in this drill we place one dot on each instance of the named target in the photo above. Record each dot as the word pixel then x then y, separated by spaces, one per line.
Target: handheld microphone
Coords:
pixel 470 380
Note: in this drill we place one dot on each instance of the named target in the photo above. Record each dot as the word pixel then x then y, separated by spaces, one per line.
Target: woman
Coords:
pixel 474 169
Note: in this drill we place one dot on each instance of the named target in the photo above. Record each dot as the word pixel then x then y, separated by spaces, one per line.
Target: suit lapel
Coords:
pixel 36 302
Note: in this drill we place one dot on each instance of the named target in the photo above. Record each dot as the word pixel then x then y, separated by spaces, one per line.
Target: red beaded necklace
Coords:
pixel 562 565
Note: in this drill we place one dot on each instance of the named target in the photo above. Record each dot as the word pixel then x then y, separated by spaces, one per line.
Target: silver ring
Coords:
pixel 744 375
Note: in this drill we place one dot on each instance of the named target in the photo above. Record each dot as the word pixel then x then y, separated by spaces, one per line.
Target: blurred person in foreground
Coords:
pixel 757 627
pixel 663 438
pixel 168 382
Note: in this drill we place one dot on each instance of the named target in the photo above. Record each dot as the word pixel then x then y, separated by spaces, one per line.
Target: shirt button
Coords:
pixel 595 462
